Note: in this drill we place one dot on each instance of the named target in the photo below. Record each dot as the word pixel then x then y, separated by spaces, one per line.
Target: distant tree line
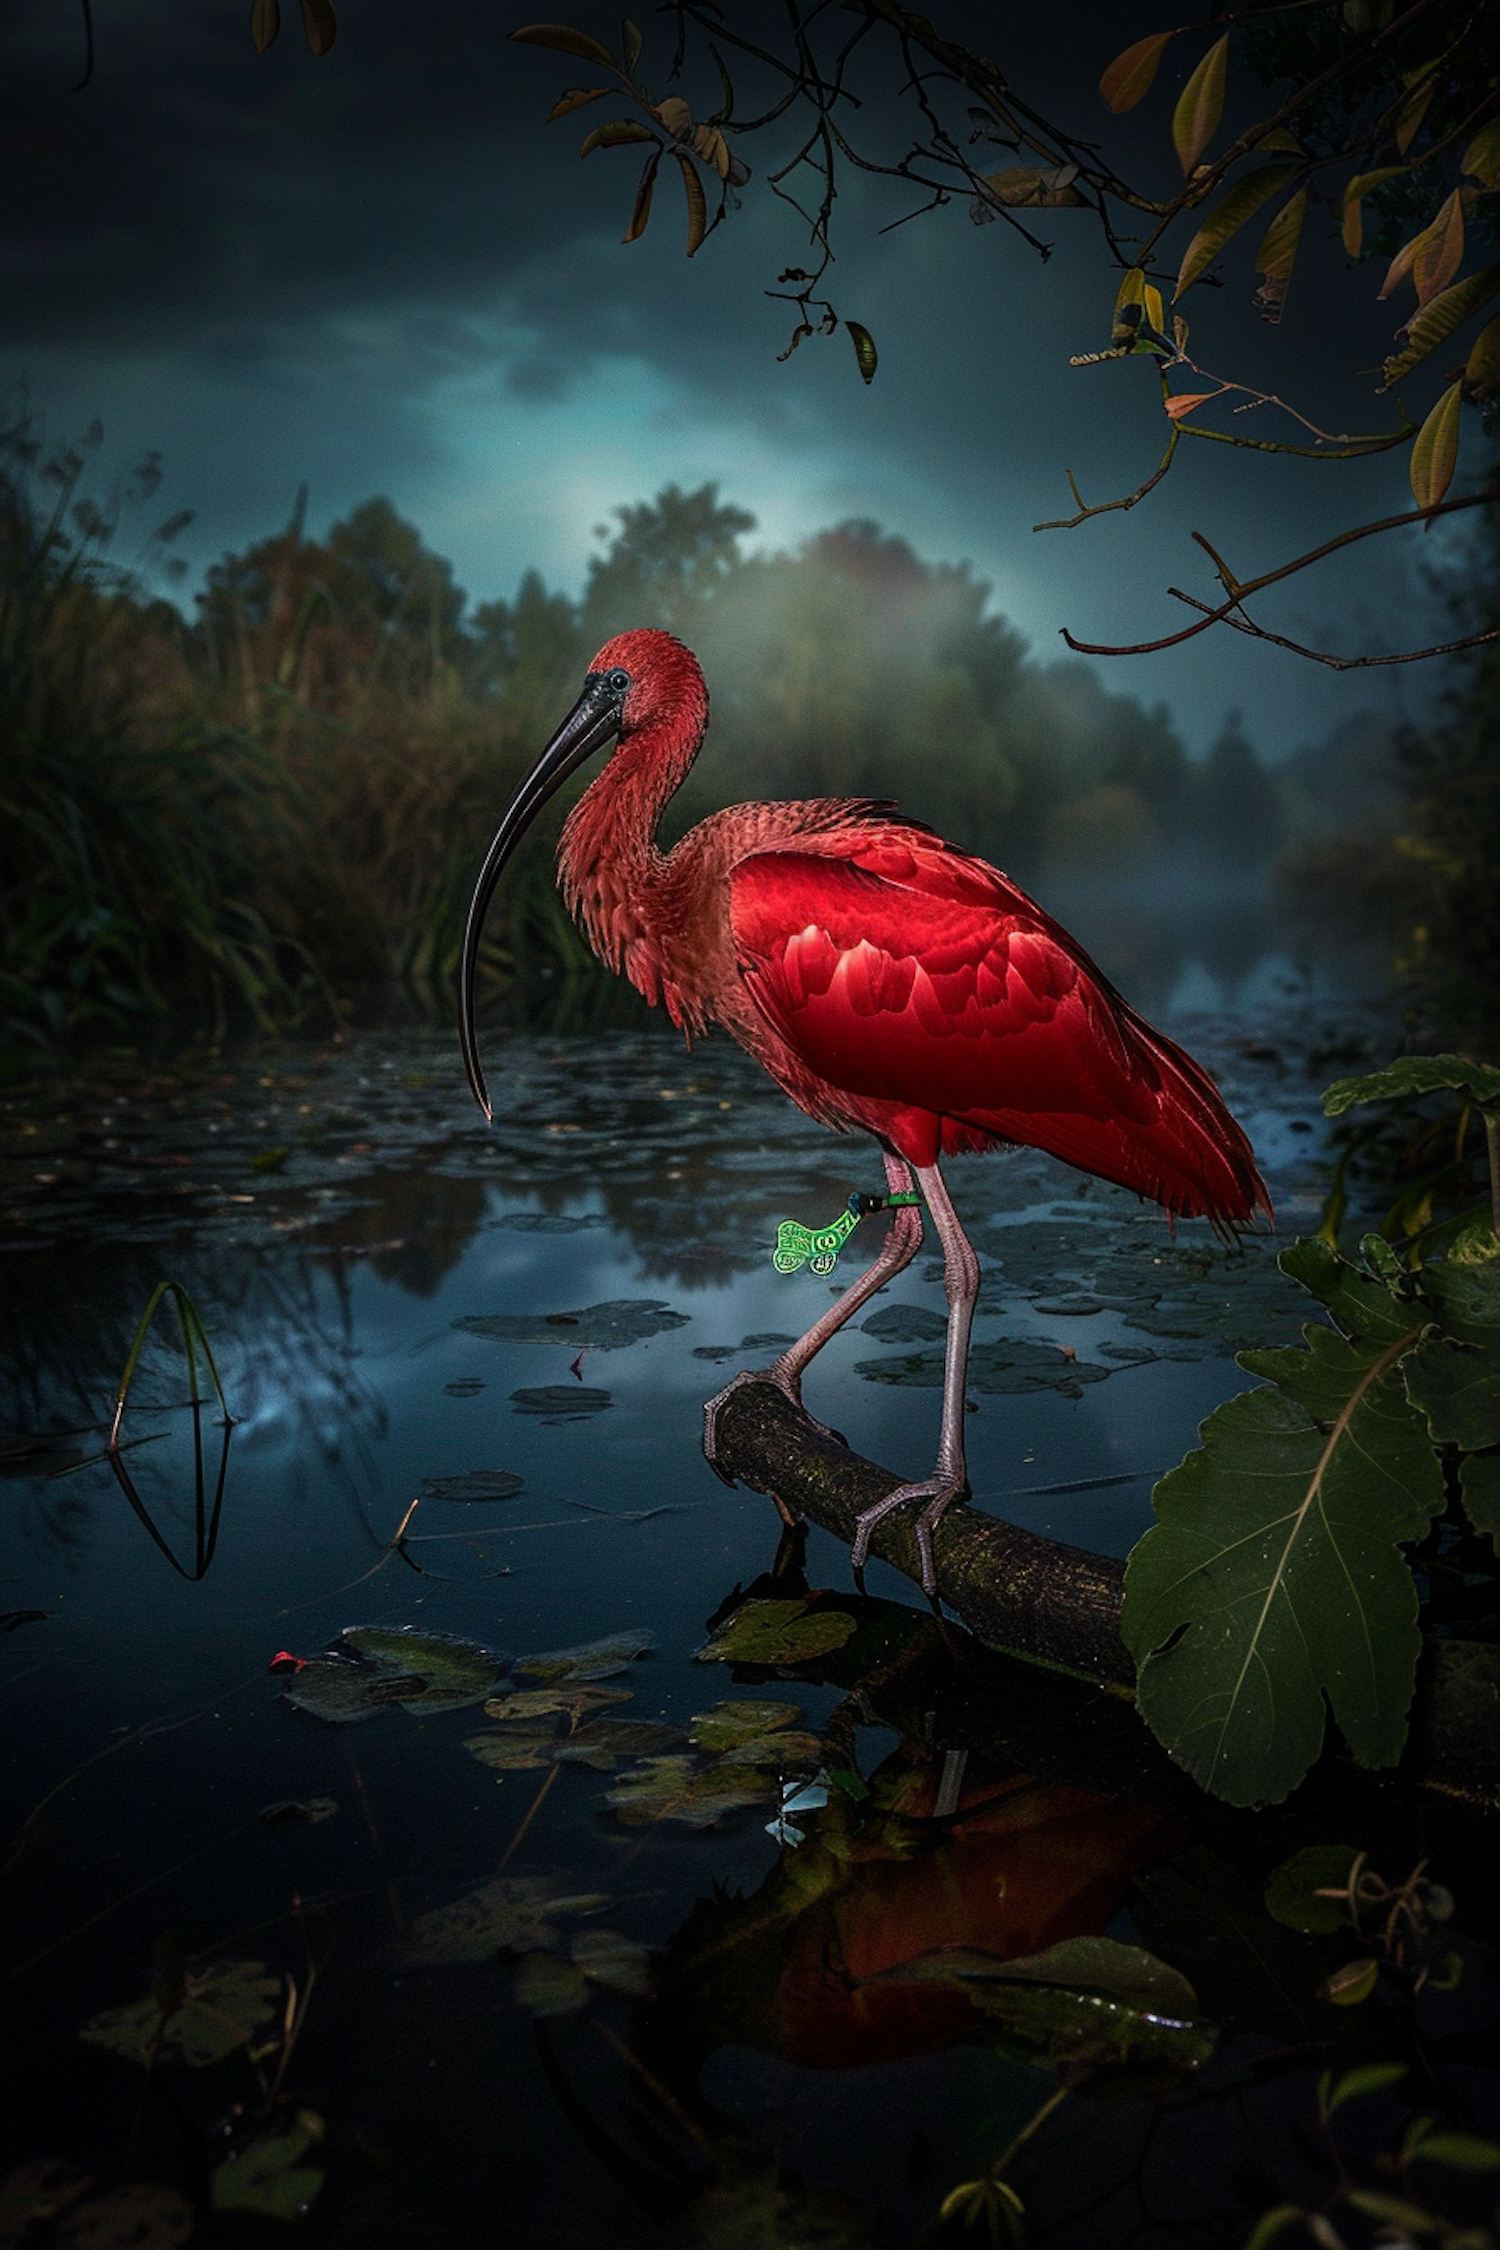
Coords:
pixel 259 808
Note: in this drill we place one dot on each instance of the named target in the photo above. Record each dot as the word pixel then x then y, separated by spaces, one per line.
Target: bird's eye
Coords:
pixel 618 680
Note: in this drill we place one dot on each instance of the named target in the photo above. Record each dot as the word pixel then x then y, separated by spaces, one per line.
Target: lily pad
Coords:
pixel 35 2192
pixel 777 1633
pixel 602 1743
pixel 221 2009
pixel 599 1328
pixel 904 1324
pixel 267 2176
pixel 729 1726
pixel 567 1700
pixel 591 1660
pixel 775 1341
pixel 474 1484
pixel 1293 1893
pixel 370 1667
pixel 516 1749
pixel 1002 1366
pixel 509 1915
pixel 556 1403
pixel 616 1962
pixel 680 1789
pixel 298 1812
pixel 549 1986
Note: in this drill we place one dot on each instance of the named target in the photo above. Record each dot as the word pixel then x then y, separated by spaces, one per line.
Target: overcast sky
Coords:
pixel 382 272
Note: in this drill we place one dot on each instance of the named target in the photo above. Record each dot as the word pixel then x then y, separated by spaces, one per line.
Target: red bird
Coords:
pixel 883 978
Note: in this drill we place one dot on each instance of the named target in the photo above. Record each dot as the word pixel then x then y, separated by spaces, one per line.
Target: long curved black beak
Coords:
pixel 593 721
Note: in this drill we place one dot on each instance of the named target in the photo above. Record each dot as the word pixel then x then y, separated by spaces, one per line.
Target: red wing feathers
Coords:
pixel 904 974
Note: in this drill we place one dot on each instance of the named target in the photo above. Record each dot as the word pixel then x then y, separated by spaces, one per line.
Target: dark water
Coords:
pixel 336 1213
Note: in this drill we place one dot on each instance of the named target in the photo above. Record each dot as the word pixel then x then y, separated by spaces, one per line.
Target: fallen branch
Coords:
pixel 1060 1606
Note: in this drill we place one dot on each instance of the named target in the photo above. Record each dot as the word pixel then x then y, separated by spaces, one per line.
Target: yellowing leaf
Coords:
pixel 1241 203
pixel 1035 187
pixel 265 22
pixel 574 98
pixel 320 25
pixel 1185 401
pixel 1434 454
pixel 1481 159
pixel 1435 323
pixel 1412 111
pixel 1440 250
pixel 616 134
pixel 564 40
pixel 713 148
pixel 640 210
pixel 1155 316
pixel 630 40
pixel 1130 76
pixel 1277 255
pixel 1200 105
pixel 1354 195
pixel 697 207
pixel 675 115
pixel 864 349
pixel 1482 372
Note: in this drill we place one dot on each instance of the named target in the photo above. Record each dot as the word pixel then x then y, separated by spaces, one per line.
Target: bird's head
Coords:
pixel 637 679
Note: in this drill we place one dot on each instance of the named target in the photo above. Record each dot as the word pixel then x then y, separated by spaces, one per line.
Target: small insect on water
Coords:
pixel 886 980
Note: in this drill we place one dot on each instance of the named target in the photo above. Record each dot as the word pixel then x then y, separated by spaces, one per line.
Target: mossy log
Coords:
pixel 1060 1606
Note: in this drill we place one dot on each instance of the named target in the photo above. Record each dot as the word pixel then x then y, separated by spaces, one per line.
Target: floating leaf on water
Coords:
pixel 602 1743
pixel 511 1914
pixel 36 2192
pixel 220 2009
pixel 775 1341
pixel 567 1700
pixel 729 1726
pixel 591 1660
pixel 267 2176
pixel 298 1812
pixel 616 1962
pixel 138 2217
pixel 780 1753
pixel 678 1788
pixel 515 1749
pixel 777 1633
pixel 549 1986
pixel 601 1328
pixel 1292 1893
pixel 1002 1366
pixel 475 1484
pixel 467 1386
pixel 371 1666
pixel 548 1222
pixel 904 1324
pixel 556 1404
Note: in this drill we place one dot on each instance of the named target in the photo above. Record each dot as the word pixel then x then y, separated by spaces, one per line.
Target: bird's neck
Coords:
pixel 608 861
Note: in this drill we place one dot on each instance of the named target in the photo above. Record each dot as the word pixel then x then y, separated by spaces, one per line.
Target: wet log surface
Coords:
pixel 1060 1606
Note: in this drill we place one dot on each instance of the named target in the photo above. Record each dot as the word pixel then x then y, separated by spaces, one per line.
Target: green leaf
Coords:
pixel 221 2009
pixel 1354 2085
pixel 1482 368
pixel 729 1726
pixel 1200 105
pixel 1479 1482
pixel 1292 1893
pixel 591 1660
pixel 1274 1576
pixel 1481 159
pixel 1415 107
pixel 678 1788
pixel 1394 2210
pixel 564 40
pixel 623 1320
pixel 510 1915
pixel 1353 1984
pixel 265 24
pixel 864 349
pixel 319 24
pixel 777 1633
pixel 371 1667
pixel 549 1986
pixel 1242 202
pixel 265 2175
pixel 1353 207
pixel 1277 255
pixel 616 134
pixel 1434 455
pixel 1417 1074
pixel 138 2217
pixel 1436 322
pixel 1463 2152
pixel 631 44
pixel 1131 75
pixel 1246 1968
pixel 1272 2223
pixel 1440 249
pixel 616 1962
pixel 1454 1379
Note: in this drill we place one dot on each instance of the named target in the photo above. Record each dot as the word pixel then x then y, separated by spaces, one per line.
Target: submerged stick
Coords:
pixel 1060 1606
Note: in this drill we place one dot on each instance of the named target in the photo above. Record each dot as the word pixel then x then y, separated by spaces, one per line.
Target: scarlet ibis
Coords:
pixel 884 978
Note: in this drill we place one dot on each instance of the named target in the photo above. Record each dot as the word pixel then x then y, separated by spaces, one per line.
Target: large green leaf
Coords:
pixel 1417 1074
pixel 1273 1578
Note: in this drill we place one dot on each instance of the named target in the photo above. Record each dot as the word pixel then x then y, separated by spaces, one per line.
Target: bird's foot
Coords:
pixel 715 1407
pixel 938 1490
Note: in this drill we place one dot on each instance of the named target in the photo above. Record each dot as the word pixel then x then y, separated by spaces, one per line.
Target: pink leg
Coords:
pixel 949 1479
pixel 899 1248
